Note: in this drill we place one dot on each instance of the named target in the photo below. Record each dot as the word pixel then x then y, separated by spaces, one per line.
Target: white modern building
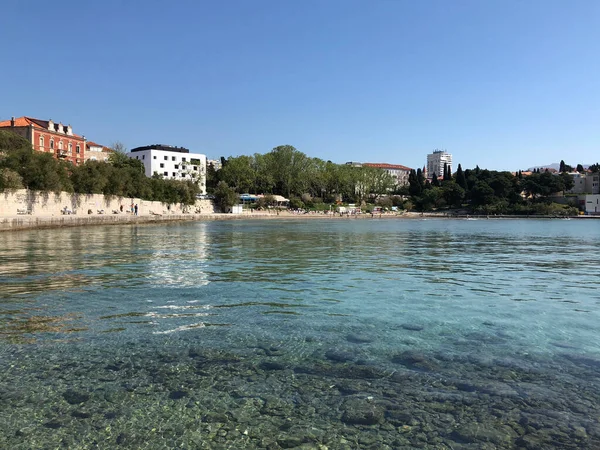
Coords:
pixel 590 203
pixel 436 162
pixel 172 162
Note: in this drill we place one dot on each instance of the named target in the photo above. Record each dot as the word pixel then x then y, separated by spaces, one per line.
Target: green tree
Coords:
pixel 265 181
pixel 10 179
pixel 482 194
pixel 453 194
pixel 225 197
pixel 239 173
pixel 211 178
pixel 460 178
pixel 39 171
pixel 567 181
pixel 431 198
pixel 447 172
pixel 91 177
pixel 414 187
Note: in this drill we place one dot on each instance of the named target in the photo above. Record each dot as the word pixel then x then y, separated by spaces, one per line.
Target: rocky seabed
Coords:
pixel 144 396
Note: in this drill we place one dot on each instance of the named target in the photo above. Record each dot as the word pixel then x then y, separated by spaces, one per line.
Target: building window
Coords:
pixel 195 167
pixel 60 145
pixel 137 157
pixel 183 159
pixel 183 167
pixel 154 157
pixel 166 174
pixel 177 166
pixel 162 165
pixel 166 158
pixel 143 156
pixel 42 142
pixel 174 174
pixel 51 144
pixel 77 149
pixel 172 158
pixel 70 148
pixel 183 175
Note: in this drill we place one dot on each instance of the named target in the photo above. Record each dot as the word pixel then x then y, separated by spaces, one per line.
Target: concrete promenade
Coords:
pixel 30 222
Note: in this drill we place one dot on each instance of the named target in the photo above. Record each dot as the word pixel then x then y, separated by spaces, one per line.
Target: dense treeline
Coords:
pixel 311 181
pixel 288 172
pixel 490 192
pixel 21 167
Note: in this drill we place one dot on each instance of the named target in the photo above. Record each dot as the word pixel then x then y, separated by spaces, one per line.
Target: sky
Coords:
pixel 502 84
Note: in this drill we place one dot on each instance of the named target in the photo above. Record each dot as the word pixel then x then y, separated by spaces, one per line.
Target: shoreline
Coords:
pixel 28 222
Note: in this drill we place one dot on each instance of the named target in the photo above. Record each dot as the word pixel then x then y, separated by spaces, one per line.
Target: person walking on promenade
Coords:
pixel 136 209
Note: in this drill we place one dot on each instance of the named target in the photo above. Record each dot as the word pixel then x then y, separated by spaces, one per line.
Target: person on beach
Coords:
pixel 131 207
pixel 136 209
pixel 121 208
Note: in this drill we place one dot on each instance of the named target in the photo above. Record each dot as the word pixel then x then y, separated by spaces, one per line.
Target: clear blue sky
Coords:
pixel 502 84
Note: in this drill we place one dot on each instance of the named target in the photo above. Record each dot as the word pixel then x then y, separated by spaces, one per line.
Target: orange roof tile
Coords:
pixel 387 166
pixel 19 122
pixel 27 121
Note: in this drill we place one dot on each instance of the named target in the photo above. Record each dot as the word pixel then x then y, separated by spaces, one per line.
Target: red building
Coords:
pixel 47 136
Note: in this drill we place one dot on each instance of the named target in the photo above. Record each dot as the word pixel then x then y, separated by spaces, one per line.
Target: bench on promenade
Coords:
pixel 23 211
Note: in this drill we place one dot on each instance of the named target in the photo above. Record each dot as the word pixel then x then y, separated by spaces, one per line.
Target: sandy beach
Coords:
pixel 27 222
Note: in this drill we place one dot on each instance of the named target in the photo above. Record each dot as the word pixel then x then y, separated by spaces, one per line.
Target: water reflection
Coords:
pixel 42 261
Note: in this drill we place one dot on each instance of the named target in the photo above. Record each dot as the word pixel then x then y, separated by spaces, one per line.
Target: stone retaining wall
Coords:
pixel 24 202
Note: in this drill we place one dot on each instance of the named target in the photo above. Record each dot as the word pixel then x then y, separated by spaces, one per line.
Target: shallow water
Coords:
pixel 312 334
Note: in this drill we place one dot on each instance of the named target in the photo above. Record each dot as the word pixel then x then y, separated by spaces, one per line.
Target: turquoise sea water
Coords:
pixel 441 334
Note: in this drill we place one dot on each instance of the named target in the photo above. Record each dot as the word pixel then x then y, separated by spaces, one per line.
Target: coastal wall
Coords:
pixel 23 202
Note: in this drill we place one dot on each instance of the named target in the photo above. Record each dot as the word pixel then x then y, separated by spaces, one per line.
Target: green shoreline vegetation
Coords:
pixel 309 183
pixel 22 167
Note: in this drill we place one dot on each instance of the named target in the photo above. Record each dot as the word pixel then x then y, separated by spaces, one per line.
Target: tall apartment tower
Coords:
pixel 436 162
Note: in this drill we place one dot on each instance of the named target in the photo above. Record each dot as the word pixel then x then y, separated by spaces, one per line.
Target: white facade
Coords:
pixel 95 152
pixel 591 204
pixel 436 162
pixel 173 163
pixel 585 183
pixel 215 162
pixel 398 172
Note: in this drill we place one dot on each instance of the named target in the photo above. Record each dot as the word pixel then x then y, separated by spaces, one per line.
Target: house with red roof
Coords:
pixel 49 137
pixel 96 152
pixel 399 172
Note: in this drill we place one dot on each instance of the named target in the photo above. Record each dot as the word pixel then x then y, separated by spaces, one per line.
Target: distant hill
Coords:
pixel 554 166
